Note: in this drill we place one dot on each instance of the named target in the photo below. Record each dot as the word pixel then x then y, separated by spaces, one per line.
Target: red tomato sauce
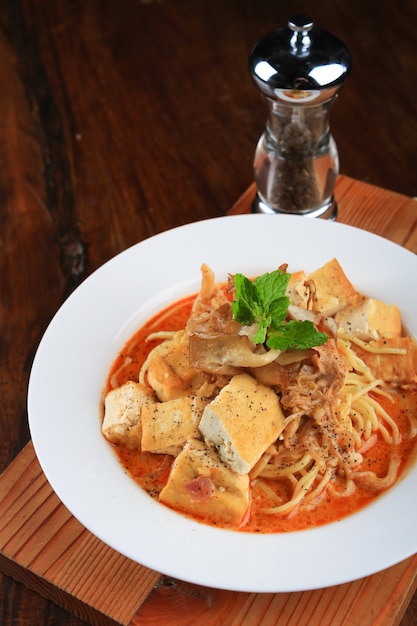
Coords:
pixel 151 471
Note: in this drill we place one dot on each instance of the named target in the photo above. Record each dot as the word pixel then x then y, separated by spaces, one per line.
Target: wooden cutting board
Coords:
pixel 45 548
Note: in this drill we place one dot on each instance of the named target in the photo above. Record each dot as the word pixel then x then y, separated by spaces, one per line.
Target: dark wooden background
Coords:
pixel 121 118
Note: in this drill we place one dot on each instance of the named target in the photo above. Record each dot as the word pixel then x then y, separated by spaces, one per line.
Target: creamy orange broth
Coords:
pixel 151 471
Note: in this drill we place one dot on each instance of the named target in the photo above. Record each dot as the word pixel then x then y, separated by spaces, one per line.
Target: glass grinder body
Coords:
pixel 298 70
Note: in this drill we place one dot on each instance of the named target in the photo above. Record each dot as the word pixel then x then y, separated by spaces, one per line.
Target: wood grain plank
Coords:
pixel 379 211
pixel 44 547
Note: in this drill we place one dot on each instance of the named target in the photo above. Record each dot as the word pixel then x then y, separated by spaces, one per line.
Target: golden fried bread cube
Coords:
pixel 242 422
pixel 333 289
pixel 166 426
pixel 394 368
pixel 122 414
pixel 370 319
pixel 201 485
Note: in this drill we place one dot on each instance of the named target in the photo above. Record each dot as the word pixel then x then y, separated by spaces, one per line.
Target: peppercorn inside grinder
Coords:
pixel 299 70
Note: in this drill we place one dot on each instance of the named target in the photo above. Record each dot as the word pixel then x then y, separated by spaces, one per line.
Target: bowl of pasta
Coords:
pixel 234 403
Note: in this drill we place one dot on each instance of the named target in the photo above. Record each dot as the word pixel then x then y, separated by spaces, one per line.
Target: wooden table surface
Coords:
pixel 121 118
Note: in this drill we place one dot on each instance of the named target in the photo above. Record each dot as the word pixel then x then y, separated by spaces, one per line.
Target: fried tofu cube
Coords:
pixel 334 291
pixel 242 422
pixel 370 319
pixel 122 414
pixel 397 368
pixel 201 485
pixel 169 372
pixel 166 426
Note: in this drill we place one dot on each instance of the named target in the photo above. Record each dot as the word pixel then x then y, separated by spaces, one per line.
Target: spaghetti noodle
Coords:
pixel 326 449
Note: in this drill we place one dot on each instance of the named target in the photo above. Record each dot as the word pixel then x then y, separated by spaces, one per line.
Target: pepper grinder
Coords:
pixel 298 70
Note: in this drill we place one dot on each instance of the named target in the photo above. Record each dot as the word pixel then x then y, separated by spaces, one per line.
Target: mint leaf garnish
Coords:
pixel 264 301
pixel 295 336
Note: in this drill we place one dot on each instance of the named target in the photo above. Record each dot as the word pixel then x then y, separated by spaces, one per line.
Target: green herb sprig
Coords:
pixel 265 302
